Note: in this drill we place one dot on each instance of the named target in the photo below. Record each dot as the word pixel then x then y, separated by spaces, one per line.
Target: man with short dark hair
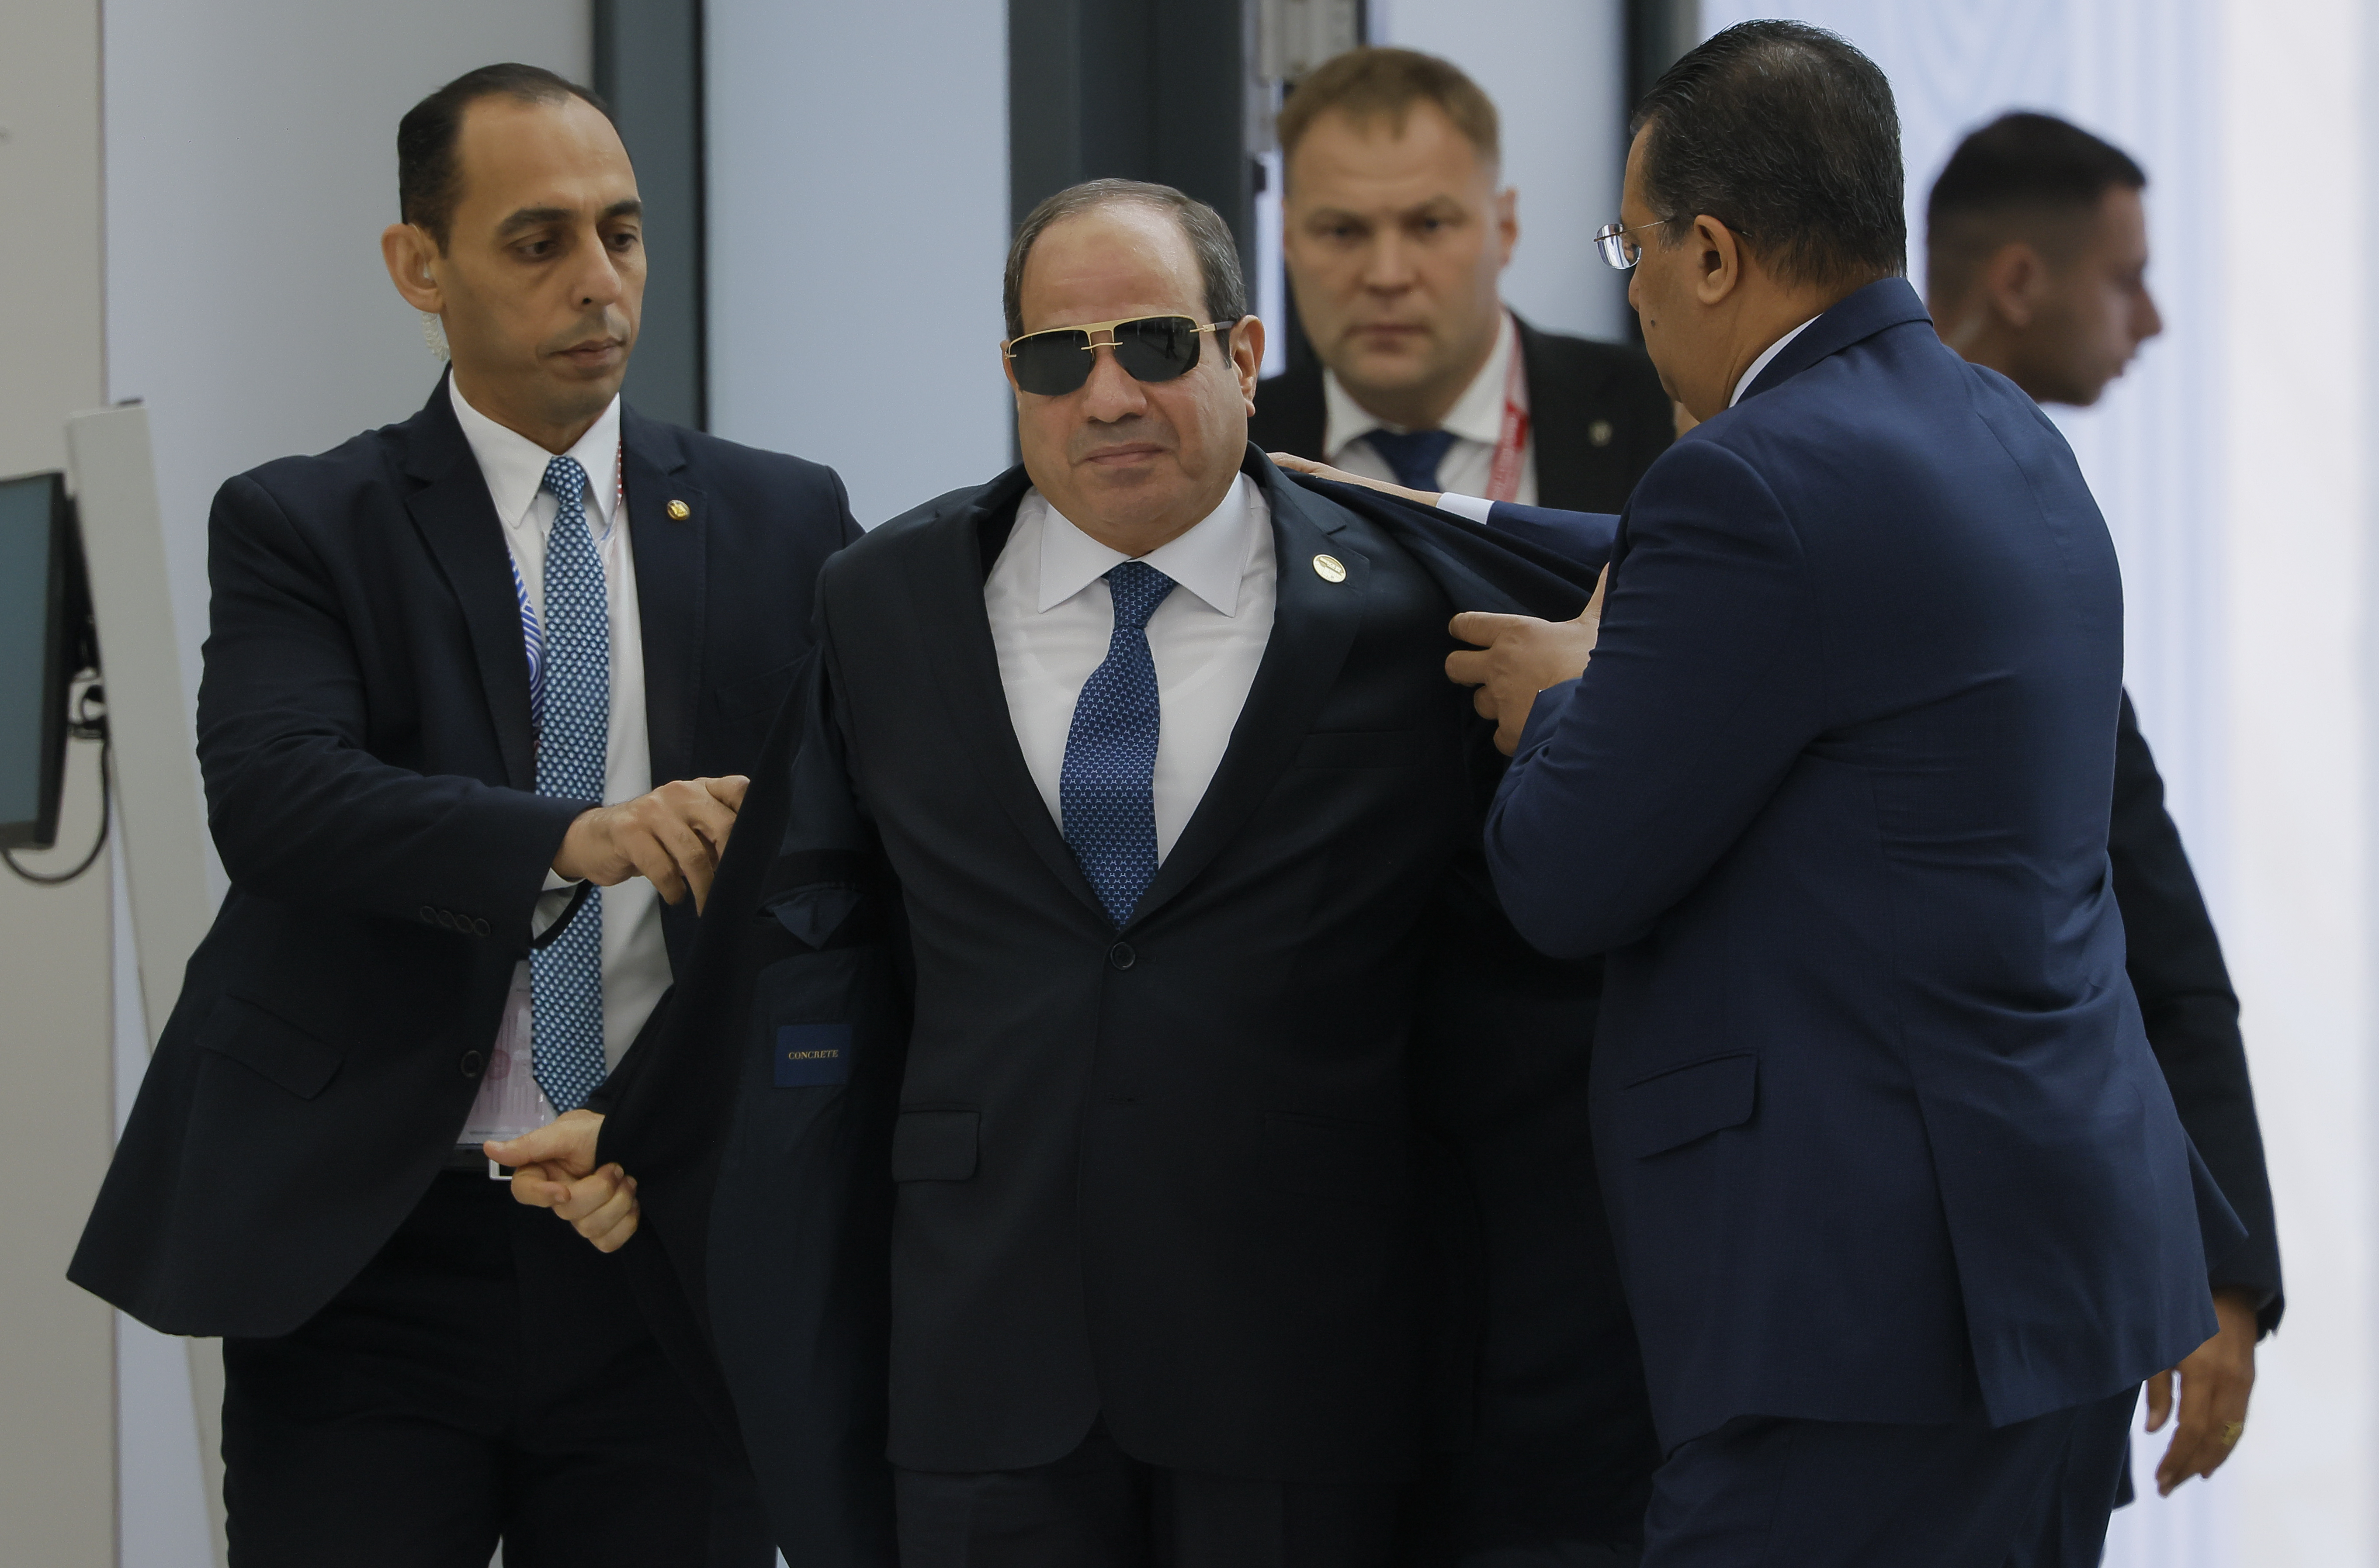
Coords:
pixel 2036 255
pixel 1902 1204
pixel 1395 232
pixel 479 692
pixel 1121 904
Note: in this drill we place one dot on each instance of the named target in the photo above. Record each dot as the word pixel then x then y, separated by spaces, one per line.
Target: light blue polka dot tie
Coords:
pixel 573 729
pixel 1106 790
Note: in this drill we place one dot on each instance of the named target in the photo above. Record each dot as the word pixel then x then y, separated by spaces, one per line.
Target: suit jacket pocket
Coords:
pixel 1671 1109
pixel 271 1047
pixel 936 1145
pixel 1318 1157
pixel 1362 748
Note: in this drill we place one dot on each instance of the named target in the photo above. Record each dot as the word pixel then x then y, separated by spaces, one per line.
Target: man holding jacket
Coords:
pixel 477 690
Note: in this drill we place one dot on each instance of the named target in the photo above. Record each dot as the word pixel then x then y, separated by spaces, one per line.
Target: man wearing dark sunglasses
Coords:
pixel 1115 889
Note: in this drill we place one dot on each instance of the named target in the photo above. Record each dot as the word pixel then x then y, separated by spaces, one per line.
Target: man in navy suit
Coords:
pixel 1903 1205
pixel 478 689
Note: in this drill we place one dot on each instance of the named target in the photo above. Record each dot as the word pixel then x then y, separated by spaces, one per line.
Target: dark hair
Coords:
pixel 1372 84
pixel 428 176
pixel 1210 238
pixel 2015 179
pixel 1787 135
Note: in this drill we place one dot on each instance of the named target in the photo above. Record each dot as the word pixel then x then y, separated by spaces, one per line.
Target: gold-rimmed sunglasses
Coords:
pixel 1150 348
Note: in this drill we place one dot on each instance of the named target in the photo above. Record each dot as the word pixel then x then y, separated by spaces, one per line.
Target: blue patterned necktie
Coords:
pixel 1106 792
pixel 1413 456
pixel 573 736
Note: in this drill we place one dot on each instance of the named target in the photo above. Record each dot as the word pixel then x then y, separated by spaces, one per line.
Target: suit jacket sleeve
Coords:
pixel 1631 782
pixel 1583 537
pixel 2191 1011
pixel 299 809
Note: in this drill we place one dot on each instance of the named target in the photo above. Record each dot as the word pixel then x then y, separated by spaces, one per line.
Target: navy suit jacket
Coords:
pixel 364 736
pixel 1876 1117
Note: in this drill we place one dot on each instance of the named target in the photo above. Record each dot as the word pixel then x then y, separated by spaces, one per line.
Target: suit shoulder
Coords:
pixel 330 482
pixel 1594 363
pixel 735 461
pixel 880 545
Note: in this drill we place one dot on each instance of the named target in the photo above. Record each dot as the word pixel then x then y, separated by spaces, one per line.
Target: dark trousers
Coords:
pixel 487 1376
pixel 1099 1508
pixel 1843 1494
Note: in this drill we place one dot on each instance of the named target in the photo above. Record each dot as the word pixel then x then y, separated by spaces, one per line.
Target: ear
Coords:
pixel 1247 356
pixel 410 254
pixel 2013 283
pixel 1508 223
pixel 1717 260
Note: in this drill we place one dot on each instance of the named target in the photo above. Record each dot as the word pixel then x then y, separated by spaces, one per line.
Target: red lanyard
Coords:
pixel 1504 476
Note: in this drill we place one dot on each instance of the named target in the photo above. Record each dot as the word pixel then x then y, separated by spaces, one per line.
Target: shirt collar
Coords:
pixel 1761 363
pixel 1209 560
pixel 1477 414
pixel 514 465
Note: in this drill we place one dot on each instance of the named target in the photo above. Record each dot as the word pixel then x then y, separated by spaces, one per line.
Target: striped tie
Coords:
pixel 574 734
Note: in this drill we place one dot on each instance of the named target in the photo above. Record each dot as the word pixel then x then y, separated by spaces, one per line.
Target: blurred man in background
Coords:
pixel 1395 234
pixel 476 687
pixel 2037 253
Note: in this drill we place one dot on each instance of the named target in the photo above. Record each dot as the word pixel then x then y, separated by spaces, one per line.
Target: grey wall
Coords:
pixel 858 200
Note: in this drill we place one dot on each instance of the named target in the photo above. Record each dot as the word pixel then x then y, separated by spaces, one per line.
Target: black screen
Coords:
pixel 36 642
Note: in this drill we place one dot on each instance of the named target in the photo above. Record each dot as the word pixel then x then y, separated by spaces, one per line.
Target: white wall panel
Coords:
pixel 858 226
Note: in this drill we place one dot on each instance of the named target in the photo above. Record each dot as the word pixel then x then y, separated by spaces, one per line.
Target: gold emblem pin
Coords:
pixel 1327 568
pixel 679 511
pixel 1600 432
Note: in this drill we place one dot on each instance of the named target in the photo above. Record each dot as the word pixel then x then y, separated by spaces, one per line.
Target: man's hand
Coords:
pixel 1323 471
pixel 2215 1380
pixel 1520 657
pixel 672 838
pixel 553 1167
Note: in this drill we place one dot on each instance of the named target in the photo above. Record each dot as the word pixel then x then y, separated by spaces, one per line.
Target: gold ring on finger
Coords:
pixel 2230 1430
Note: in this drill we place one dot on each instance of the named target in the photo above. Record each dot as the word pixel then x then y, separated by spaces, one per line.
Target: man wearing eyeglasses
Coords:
pixel 1395 236
pixel 1115 890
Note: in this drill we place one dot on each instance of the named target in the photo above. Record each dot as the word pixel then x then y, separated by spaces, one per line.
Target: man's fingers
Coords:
pixel 615 1211
pixel 2159 1394
pixel 589 1193
pixel 535 1187
pixel 616 1236
pixel 1484 628
pixel 655 863
pixel 1467 667
pixel 1483 703
pixel 728 791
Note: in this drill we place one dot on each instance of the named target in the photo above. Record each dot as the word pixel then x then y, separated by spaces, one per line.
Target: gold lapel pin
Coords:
pixel 1600 432
pixel 679 511
pixel 1328 568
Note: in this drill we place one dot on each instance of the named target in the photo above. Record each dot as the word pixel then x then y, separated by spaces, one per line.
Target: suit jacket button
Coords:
pixel 1121 956
pixel 472 1063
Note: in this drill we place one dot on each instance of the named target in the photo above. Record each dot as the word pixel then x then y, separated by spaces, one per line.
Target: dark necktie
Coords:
pixel 1107 792
pixel 572 736
pixel 1414 455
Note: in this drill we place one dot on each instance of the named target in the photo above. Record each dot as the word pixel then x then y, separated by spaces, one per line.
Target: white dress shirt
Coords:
pixel 1476 421
pixel 1051 616
pixel 636 963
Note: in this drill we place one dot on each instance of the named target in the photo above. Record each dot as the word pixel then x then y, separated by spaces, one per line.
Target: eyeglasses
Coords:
pixel 1617 247
pixel 1150 348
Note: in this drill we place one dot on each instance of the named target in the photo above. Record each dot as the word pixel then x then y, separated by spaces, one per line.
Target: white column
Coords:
pixel 858 202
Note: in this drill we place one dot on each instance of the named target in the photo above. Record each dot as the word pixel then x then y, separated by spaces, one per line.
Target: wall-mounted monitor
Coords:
pixel 45 638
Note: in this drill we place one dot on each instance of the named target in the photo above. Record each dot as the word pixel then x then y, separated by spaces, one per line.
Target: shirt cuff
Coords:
pixel 1474 509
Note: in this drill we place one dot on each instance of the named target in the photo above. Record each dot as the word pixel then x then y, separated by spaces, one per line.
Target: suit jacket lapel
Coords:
pixel 669 554
pixel 458 522
pixel 1554 404
pixel 948 563
pixel 1314 621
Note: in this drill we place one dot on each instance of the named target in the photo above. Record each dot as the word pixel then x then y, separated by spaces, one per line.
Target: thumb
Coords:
pixel 729 791
pixel 2159 1392
pixel 1481 627
pixel 530 1148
